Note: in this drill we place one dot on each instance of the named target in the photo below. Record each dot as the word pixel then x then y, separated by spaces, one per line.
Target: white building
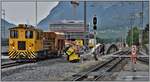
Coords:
pixel 73 29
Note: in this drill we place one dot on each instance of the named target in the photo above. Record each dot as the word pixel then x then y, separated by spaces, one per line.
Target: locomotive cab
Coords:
pixel 24 42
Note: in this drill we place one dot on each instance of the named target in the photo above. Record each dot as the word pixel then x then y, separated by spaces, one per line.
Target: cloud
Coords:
pixel 25 12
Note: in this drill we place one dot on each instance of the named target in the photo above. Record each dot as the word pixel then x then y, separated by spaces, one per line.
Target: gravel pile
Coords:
pixel 49 70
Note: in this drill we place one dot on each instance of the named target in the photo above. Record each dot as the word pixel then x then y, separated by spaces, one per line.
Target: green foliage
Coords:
pixel 145 37
pixel 134 37
pixel 105 40
pixel 99 40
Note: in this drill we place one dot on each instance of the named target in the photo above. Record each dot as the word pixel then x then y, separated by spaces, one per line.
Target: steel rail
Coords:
pixel 109 69
pixel 100 66
pixel 16 63
pixel 146 61
pixel 94 69
pixel 12 64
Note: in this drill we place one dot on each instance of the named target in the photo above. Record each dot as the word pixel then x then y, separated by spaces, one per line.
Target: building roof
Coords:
pixel 68 30
pixel 67 22
pixel 68 26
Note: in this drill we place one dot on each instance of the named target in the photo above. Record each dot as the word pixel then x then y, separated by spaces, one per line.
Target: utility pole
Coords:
pixel 132 18
pixel 3 25
pixel 36 13
pixel 75 2
pixel 126 36
pixel 85 41
pixel 141 24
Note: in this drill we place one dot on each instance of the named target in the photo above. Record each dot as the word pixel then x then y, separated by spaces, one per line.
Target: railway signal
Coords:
pixel 94 22
pixel 75 3
pixel 95 28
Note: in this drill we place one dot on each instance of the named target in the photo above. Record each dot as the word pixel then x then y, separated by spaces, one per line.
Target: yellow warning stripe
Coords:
pixel 28 55
pixel 15 55
pixel 33 54
pixel 12 54
pixel 9 53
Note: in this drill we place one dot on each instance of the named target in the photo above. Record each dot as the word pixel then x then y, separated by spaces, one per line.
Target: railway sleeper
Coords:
pixel 96 73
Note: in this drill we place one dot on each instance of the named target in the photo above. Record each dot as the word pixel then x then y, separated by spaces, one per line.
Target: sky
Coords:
pixel 25 12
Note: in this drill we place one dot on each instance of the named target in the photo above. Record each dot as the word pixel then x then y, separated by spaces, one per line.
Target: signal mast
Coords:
pixel 75 3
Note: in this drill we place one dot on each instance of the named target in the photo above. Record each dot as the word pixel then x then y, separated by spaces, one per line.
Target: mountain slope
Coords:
pixel 111 15
pixel 5 25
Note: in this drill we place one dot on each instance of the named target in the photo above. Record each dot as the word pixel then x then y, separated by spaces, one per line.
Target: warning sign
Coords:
pixel 133 54
pixel 134 50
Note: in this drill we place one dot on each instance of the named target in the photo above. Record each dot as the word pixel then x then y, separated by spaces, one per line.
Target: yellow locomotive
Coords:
pixel 27 42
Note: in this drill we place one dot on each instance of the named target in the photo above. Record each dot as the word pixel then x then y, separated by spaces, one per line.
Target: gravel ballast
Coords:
pixel 49 70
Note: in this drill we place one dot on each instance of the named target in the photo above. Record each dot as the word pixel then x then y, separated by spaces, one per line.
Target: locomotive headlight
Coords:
pixel 30 48
pixel 13 47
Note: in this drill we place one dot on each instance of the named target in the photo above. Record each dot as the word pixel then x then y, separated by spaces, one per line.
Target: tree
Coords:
pixel 135 37
pixel 145 36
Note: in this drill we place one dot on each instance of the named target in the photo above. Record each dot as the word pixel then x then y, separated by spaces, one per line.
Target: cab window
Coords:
pixel 38 36
pixel 29 34
pixel 13 34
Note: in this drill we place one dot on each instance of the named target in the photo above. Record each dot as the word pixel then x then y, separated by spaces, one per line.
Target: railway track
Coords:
pixel 11 64
pixel 17 63
pixel 144 60
pixel 100 70
pixel 108 68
